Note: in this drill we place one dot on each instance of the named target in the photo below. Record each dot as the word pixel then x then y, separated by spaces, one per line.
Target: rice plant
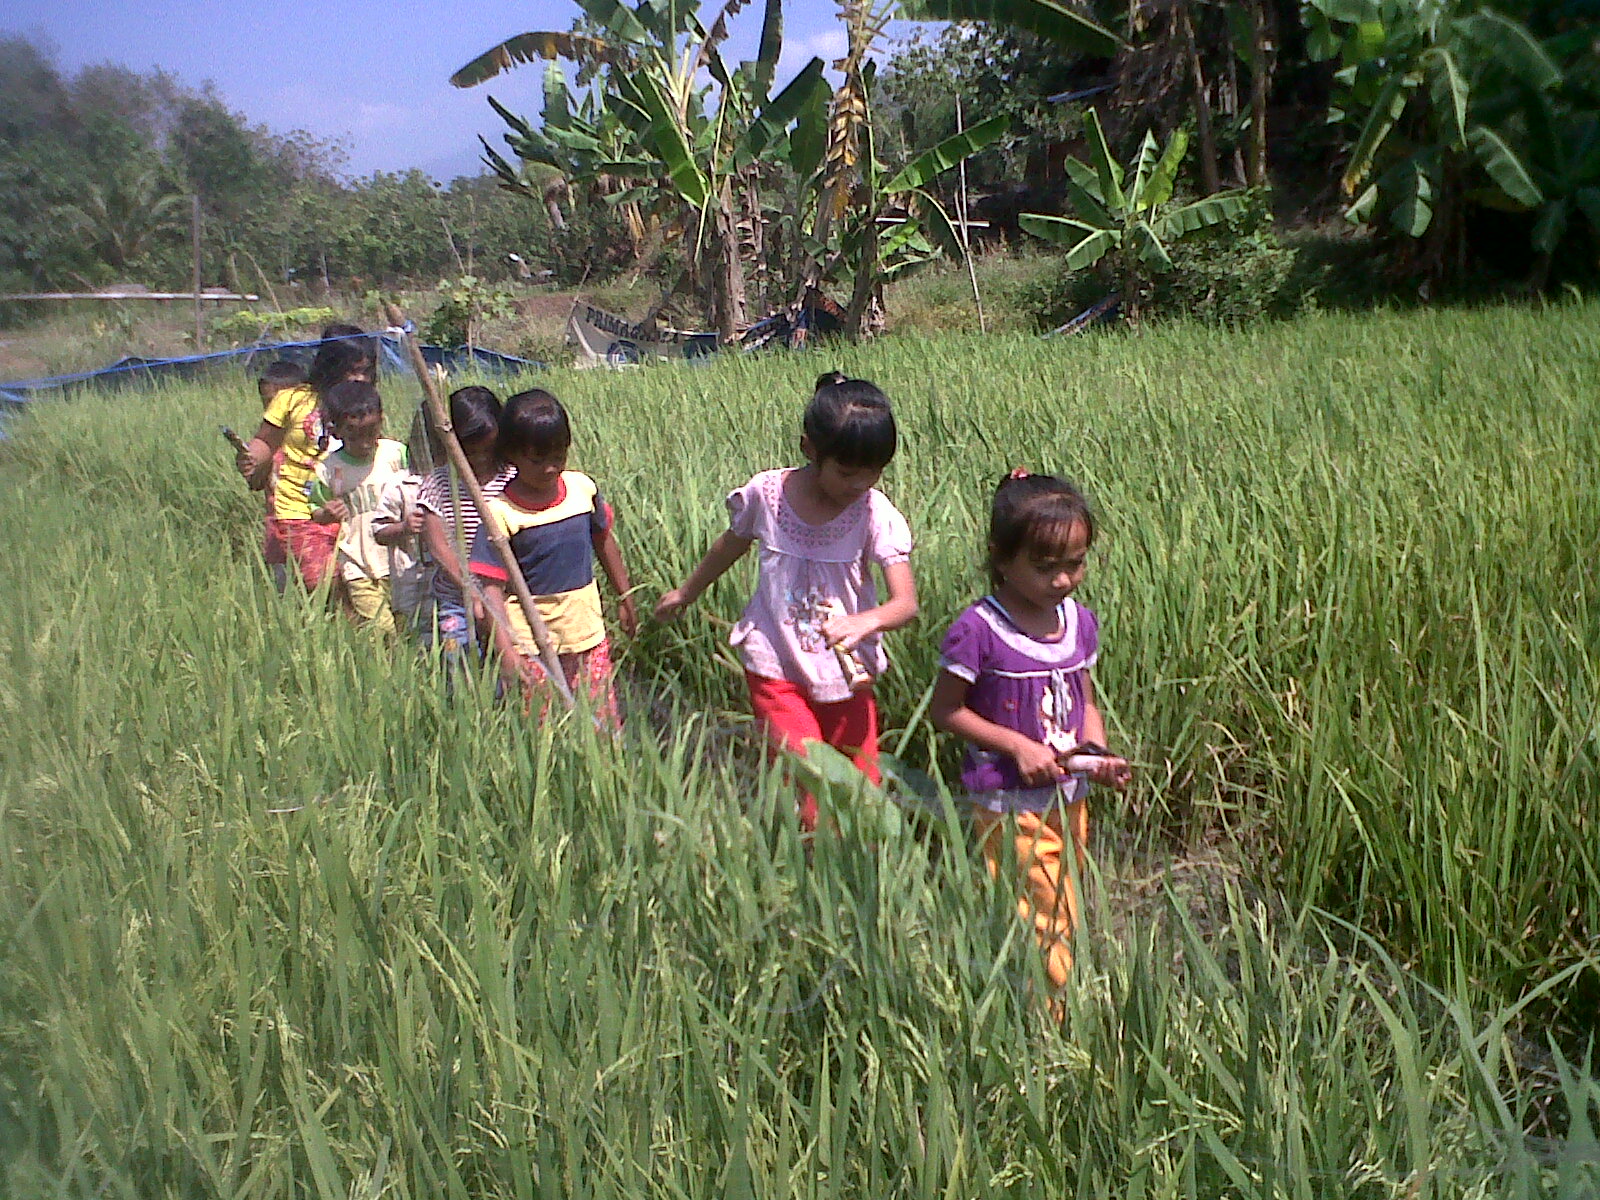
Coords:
pixel 282 915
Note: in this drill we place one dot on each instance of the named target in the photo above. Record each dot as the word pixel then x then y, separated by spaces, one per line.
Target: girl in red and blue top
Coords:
pixel 558 525
pixel 1014 682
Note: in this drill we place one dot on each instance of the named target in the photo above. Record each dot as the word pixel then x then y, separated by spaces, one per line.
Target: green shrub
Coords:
pixel 1232 273
pixel 249 324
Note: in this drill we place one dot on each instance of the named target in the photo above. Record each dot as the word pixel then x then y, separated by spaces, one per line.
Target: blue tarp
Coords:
pixel 133 370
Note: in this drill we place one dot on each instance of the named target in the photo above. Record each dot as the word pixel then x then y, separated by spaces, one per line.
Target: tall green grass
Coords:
pixel 1346 583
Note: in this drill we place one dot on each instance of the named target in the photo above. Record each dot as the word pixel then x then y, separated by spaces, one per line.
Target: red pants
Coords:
pixel 310 547
pixel 790 718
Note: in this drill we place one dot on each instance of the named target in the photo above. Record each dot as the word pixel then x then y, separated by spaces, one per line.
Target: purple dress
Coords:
pixel 1032 685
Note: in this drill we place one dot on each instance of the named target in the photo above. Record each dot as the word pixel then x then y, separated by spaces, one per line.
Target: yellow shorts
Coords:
pixel 369 601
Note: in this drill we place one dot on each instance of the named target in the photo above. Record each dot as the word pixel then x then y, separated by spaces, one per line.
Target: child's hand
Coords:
pixel 1110 771
pixel 413 521
pixel 846 630
pixel 337 509
pixel 671 605
pixel 627 616
pixel 1036 762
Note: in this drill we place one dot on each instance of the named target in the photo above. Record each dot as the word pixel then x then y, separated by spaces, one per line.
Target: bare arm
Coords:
pixel 1036 762
pixel 512 664
pixel 948 711
pixel 728 549
pixel 255 460
pixel 899 610
pixel 610 556
pixel 442 546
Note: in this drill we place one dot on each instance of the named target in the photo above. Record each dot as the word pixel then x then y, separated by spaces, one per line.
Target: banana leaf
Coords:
pixel 1386 110
pixel 530 47
pixel 1106 167
pixel 932 163
pixel 1511 45
pixel 1201 214
pixel 1149 153
pixel 1148 247
pixel 1088 244
pixel 780 112
pixel 1503 166
pixel 1158 189
pixel 1450 92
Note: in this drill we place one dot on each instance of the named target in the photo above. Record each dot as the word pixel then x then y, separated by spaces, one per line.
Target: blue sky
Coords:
pixel 373 75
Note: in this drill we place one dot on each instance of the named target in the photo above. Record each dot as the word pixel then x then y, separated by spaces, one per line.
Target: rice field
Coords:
pixel 282 916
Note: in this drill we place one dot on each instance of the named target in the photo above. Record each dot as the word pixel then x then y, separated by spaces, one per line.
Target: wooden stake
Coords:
pixel 194 228
pixel 491 522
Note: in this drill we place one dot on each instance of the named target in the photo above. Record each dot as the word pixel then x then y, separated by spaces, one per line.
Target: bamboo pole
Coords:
pixel 491 523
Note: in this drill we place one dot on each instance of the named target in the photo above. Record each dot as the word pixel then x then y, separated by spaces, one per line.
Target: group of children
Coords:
pixel 1014 679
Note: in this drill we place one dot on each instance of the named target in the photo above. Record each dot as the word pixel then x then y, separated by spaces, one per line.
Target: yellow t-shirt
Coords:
pixel 294 410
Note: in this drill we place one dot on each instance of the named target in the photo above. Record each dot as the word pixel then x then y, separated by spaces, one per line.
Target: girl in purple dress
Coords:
pixel 1014 682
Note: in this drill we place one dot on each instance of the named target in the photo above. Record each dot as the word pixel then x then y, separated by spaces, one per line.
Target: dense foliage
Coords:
pixel 97 170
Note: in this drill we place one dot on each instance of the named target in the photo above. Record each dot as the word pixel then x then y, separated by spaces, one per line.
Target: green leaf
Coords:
pixel 939 224
pixel 770 48
pixel 808 141
pixel 930 164
pixel 1088 244
pixel 1364 43
pixel 665 138
pixel 1148 247
pixel 1149 153
pixel 1504 167
pixel 1082 174
pixel 1386 110
pixel 530 47
pixel 1202 214
pixel 781 111
pixel 1360 210
pixel 1510 44
pixel 1106 167
pixel 1450 92
pixel 1054 23
pixel 1414 192
pixel 1551 226
pixel 1158 190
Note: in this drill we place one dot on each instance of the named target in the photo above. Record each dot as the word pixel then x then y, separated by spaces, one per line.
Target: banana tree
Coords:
pixel 649 130
pixel 1128 214
pixel 1430 86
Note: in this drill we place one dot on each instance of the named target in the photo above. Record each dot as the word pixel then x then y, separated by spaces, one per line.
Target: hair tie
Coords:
pixel 1018 473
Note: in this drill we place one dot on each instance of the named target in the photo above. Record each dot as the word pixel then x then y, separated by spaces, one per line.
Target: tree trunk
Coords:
pixel 867 282
pixel 1262 51
pixel 730 296
pixel 1209 180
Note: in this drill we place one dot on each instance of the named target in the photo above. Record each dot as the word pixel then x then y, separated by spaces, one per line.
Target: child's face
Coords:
pixel 539 470
pixel 362 372
pixel 1044 577
pixel 845 485
pixel 267 391
pixel 360 434
pixel 481 457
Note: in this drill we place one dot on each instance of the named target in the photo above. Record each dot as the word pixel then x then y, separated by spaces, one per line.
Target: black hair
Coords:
pixel 344 348
pixel 352 398
pixel 533 421
pixel 283 373
pixel 474 413
pixel 1036 511
pixel 849 421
